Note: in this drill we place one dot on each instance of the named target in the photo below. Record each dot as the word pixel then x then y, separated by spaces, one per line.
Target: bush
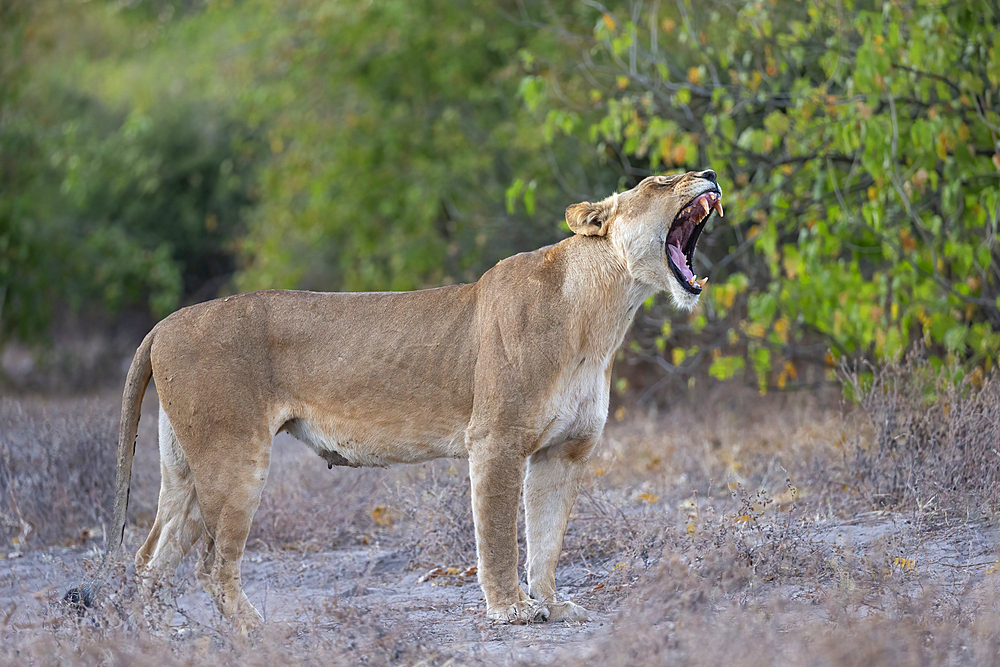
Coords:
pixel 106 203
pixel 56 473
pixel 855 149
pixel 936 431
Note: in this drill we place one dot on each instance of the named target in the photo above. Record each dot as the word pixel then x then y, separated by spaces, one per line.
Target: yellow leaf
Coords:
pixel 975 377
pixel 679 153
pixel 436 572
pixel 382 515
pixel 666 146
pixel 791 267
pixel 609 21
pixel 648 498
pixel 725 295
pixel 690 528
pixel 942 146
pixel 694 75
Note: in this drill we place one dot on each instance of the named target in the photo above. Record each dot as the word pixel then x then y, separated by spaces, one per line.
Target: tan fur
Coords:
pixel 512 372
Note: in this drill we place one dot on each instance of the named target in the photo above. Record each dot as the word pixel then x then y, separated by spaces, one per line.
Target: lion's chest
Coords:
pixel 580 406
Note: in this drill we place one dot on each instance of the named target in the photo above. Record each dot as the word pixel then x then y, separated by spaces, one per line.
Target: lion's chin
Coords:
pixel 683 299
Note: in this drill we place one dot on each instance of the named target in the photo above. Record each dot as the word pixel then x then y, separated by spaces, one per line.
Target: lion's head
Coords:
pixel 655 227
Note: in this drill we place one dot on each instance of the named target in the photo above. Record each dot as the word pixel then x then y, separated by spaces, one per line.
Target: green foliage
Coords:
pixel 108 207
pixel 392 136
pixel 723 368
pixel 157 152
pixel 139 210
pixel 857 150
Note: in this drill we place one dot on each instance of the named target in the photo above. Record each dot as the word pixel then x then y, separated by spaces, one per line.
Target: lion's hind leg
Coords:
pixel 178 523
pixel 550 488
pixel 229 478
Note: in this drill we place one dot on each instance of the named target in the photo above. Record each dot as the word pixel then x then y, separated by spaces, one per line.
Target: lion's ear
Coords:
pixel 589 219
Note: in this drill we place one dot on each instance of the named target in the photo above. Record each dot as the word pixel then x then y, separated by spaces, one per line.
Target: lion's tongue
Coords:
pixel 677 256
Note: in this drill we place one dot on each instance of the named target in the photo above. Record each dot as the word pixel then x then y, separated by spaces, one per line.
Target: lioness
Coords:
pixel 512 371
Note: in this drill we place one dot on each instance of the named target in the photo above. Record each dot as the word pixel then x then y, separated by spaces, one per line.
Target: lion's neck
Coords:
pixel 607 296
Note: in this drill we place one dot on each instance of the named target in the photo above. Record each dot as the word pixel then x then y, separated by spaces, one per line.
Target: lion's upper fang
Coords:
pixel 683 238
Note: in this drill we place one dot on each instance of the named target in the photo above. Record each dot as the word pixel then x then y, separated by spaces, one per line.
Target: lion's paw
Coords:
pixel 566 611
pixel 519 613
pixel 249 623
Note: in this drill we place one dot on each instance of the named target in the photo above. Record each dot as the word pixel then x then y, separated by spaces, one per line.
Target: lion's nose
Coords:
pixel 708 175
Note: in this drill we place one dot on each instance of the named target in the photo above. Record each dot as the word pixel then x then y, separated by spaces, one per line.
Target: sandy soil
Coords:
pixel 668 549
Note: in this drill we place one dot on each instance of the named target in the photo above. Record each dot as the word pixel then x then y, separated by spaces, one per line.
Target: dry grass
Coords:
pixel 54 458
pixel 763 531
pixel 936 436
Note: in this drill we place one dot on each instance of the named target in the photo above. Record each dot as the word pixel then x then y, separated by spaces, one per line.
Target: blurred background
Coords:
pixel 156 153
pixel 806 465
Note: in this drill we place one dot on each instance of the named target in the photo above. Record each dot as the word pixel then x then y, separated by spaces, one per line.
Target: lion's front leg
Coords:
pixel 550 488
pixel 497 472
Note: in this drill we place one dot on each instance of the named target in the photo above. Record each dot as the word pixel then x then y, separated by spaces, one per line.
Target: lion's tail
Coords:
pixel 135 388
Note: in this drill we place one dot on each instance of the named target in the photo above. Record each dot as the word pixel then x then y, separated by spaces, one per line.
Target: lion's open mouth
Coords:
pixel 683 237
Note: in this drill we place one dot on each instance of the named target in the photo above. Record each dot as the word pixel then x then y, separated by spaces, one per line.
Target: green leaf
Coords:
pixel 511 194
pixel 954 338
pixel 529 198
pixel 723 368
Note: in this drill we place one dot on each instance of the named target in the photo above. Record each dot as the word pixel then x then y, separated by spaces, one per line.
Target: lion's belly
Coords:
pixel 359 435
pixel 341 442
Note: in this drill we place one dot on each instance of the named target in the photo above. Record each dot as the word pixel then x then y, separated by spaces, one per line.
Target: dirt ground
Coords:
pixel 741 534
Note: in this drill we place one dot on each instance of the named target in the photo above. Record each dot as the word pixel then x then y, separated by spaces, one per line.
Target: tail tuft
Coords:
pixel 80 598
